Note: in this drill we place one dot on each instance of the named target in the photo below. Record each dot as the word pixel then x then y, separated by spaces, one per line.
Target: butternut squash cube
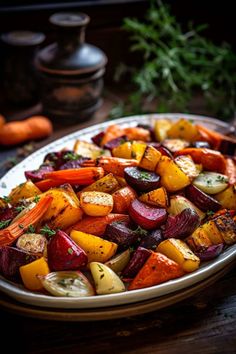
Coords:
pixel 178 251
pixel 23 191
pixel 106 184
pixel 157 197
pixel 30 272
pixel 199 239
pixel 212 232
pixel 183 129
pixel 96 248
pixel 161 126
pixel 138 150
pixel 96 203
pixel 150 158
pixel 123 150
pixel 172 178
pixel 227 198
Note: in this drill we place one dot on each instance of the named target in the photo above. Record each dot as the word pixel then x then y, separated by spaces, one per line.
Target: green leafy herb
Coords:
pixel 36 199
pixel 30 230
pixel 4 224
pixel 47 231
pixel 210 213
pixel 175 65
pixel 20 208
pixel 70 251
pixel 141 232
pixel 71 156
pixel 6 199
pixel 222 179
pixel 145 175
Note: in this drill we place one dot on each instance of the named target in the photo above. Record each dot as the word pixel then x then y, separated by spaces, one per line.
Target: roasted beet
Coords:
pixel 136 262
pixel 210 252
pixel 121 233
pixel 148 217
pixel 64 253
pixel 7 213
pixel 141 180
pixel 73 163
pixel 59 158
pixel 96 139
pixel 152 239
pixel 115 142
pixel 182 224
pixel 202 200
pixel 201 144
pixel 165 152
pixel 38 175
pixel 11 259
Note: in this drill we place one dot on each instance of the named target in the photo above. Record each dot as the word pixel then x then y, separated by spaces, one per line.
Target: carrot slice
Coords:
pixel 48 183
pixel 81 176
pixel 213 138
pixel 97 225
pixel 115 165
pixel 157 269
pixel 13 231
pixel 230 170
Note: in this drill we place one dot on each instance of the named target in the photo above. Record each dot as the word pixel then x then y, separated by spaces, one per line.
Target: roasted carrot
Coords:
pixel 112 132
pixel 81 176
pixel 33 128
pixel 46 184
pixel 209 159
pixel 122 199
pixel 136 133
pixel 157 269
pixel 230 170
pixel 13 231
pixel 2 121
pixel 115 165
pixel 214 138
pixel 227 212
pixel 97 225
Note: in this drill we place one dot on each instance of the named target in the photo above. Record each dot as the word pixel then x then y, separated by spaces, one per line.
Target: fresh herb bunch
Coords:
pixel 177 64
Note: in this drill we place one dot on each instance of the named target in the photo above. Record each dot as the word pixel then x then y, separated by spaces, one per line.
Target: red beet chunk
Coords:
pixel 202 200
pixel 136 262
pixel 182 224
pixel 147 217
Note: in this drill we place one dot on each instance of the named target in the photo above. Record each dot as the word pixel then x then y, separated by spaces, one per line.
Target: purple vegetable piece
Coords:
pixel 202 200
pixel 59 158
pixel 210 252
pixel 97 139
pixel 8 213
pixel 73 163
pixel 11 259
pixel 152 239
pixel 136 262
pixel 38 175
pixel 115 142
pixel 121 233
pixel 182 224
pixel 141 180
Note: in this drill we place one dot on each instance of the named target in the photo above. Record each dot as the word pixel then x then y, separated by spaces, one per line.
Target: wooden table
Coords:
pixel 204 323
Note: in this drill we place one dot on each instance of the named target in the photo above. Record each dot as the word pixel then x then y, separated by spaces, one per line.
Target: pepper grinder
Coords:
pixel 19 76
pixel 71 71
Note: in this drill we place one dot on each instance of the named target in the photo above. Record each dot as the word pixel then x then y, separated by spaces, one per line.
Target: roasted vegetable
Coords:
pixel 178 203
pixel 150 158
pixel 157 197
pixel 67 283
pixel 23 191
pixel 97 249
pixel 33 243
pixel 183 129
pixel 146 216
pixel 136 262
pixel 211 182
pixel 186 164
pixel 178 251
pixel 172 178
pixel 121 233
pixel 141 180
pixel 227 228
pixel 152 239
pixel 156 270
pixel 106 184
pixel 122 199
pixel 30 273
pixel 161 127
pixel 210 252
pixel 201 200
pixel 96 203
pixel 64 254
pixel 106 281
pixel 80 176
pixel 182 224
pixel 85 149
pixel 227 198
pixel 119 261
pixel 11 259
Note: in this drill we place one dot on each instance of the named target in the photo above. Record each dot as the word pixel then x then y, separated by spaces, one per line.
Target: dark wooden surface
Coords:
pixel 204 323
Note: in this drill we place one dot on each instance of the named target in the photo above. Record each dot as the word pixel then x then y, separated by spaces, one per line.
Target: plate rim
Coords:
pixel 33 298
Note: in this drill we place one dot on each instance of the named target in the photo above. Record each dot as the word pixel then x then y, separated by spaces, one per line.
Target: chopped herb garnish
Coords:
pixel 100 268
pixel 36 198
pixel 209 181
pixel 70 251
pixel 144 175
pixel 222 179
pixel 210 213
pixel 47 231
pixel 20 208
pixel 21 226
pixel 102 152
pixel 122 141
pixel 30 230
pixel 70 156
pixel 62 282
pixel 141 232
pixel 4 223
pixel 6 199
pixel 101 276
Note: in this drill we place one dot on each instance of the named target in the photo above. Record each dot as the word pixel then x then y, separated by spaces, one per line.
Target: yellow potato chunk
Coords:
pixel 96 248
pixel 30 272
pixel 179 251
pixel 96 203
pixel 24 191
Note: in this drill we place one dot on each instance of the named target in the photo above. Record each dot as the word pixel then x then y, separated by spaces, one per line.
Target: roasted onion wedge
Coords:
pixel 67 283
pixel 211 182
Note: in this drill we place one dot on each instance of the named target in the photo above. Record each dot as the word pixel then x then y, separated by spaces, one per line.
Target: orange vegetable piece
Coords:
pixel 18 228
pixel 30 272
pixel 97 225
pixel 122 199
pixel 33 128
pixel 2 121
pixel 115 165
pixel 212 137
pixel 136 133
pixel 209 159
pixel 112 132
pixel 82 176
pixel 156 270
pixel 230 170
